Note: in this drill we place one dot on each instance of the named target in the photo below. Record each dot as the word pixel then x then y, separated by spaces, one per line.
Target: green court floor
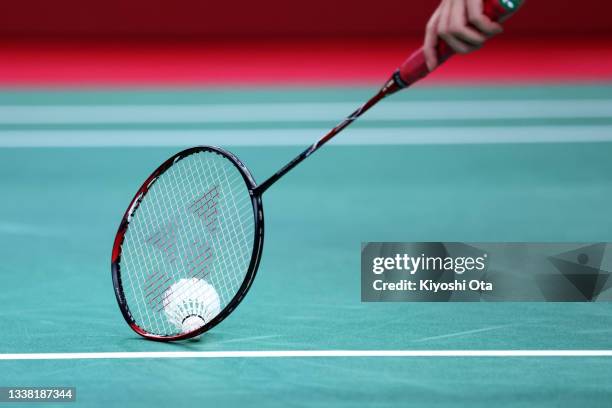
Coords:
pixel 60 206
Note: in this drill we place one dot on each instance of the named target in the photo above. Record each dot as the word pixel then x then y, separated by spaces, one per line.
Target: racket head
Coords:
pixel 127 280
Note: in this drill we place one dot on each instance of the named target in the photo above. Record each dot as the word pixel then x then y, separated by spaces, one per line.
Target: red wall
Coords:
pixel 244 18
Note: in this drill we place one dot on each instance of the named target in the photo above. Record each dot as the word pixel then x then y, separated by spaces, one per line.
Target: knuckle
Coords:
pixel 476 20
pixel 454 29
pixel 478 40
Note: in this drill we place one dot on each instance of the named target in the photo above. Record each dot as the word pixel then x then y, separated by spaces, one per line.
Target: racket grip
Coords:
pixel 415 68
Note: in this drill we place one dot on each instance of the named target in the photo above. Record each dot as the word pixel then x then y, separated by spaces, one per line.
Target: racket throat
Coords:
pixel 259 190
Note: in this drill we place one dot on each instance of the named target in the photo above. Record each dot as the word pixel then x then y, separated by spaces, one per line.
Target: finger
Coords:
pixel 468 35
pixel 459 46
pixel 478 19
pixel 458 27
pixel 431 41
pixel 444 31
pixel 444 17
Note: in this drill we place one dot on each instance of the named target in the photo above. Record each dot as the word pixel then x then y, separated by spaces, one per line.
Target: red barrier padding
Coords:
pixel 136 64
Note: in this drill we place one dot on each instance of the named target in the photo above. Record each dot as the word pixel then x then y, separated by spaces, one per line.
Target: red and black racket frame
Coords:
pixel 258 236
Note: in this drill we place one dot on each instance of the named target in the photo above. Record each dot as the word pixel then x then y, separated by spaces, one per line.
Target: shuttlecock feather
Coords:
pixel 191 303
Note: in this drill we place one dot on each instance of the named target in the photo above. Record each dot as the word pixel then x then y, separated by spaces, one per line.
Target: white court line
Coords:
pixel 301 137
pixel 306 354
pixel 304 112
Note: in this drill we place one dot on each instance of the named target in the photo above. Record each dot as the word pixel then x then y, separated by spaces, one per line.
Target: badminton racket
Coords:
pixel 189 244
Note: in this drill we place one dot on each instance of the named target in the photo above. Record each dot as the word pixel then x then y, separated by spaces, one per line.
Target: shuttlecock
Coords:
pixel 191 303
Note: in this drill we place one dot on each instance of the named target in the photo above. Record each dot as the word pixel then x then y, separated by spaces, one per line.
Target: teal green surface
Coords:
pixel 60 208
pixel 267 95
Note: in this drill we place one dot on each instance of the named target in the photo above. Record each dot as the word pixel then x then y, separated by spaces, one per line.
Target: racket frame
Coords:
pixel 133 207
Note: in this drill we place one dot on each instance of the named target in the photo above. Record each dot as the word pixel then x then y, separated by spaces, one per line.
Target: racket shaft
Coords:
pixel 390 87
